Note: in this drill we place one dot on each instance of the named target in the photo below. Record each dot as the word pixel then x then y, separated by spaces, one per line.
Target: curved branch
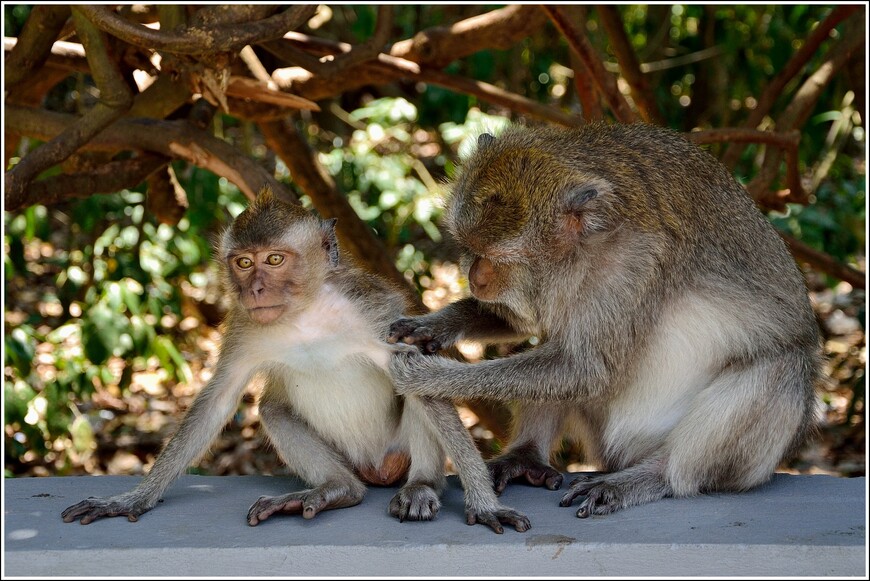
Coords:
pixel 109 178
pixel 493 94
pixel 825 263
pixel 34 43
pixel 177 139
pixel 199 40
pixel 795 65
pixel 115 99
pixel 628 63
pixel 560 15
pixel 804 101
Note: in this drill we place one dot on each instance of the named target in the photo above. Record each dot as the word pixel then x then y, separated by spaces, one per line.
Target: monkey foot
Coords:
pixel 602 497
pixel 305 502
pixel 494 519
pixel 522 462
pixel 93 508
pixel 415 502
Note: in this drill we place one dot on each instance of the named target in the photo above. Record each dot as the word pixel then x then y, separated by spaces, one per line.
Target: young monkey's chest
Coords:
pixel 335 377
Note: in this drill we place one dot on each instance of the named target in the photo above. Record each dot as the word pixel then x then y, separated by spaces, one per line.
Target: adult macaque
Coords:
pixel 676 338
pixel 315 327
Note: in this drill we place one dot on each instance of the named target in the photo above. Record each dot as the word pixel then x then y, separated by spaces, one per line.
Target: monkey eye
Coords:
pixel 274 259
pixel 244 262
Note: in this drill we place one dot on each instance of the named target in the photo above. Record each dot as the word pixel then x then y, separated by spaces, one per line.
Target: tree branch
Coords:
pixel 34 43
pixel 497 96
pixel 804 101
pixel 628 62
pixel 606 83
pixel 176 139
pixel 825 263
pixel 795 65
pixel 109 178
pixel 198 40
pixel 115 99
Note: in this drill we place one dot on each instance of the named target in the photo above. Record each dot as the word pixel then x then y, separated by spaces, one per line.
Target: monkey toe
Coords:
pixel 415 502
pixel 600 499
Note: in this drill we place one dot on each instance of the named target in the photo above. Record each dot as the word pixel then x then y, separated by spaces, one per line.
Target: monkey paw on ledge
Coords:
pixel 792 526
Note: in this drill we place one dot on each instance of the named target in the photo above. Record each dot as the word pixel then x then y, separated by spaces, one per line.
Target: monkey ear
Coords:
pixel 330 241
pixel 484 140
pixel 579 197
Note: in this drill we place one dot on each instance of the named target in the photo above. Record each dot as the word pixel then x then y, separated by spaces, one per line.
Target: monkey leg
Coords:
pixel 313 459
pixel 739 428
pixel 607 493
pixel 481 503
pixel 537 427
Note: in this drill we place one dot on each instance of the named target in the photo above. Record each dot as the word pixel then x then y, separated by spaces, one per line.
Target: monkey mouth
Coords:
pixel 265 315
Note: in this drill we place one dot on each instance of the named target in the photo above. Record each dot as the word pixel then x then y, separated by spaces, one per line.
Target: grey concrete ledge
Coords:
pixel 793 526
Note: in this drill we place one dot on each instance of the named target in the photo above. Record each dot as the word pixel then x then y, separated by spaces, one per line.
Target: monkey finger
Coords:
pixel 554 482
pixel 568 497
pixel 490 520
pixel 432 346
pixel 535 477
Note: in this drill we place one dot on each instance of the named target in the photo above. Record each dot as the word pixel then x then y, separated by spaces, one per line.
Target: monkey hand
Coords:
pixel 420 332
pixel 523 462
pixel 130 504
pixel 494 517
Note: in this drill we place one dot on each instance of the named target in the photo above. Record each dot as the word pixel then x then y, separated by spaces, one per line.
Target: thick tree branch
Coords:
pixel 795 65
pixel 354 235
pixel 787 141
pixel 199 40
pixel 433 47
pixel 34 43
pixel 111 177
pixel 629 64
pixel 369 49
pixel 825 263
pixel 177 139
pixel 115 99
pixel 562 17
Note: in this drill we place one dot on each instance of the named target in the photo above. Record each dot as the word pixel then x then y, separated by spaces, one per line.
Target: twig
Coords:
pixel 825 263
pixel 804 101
pixel 115 100
pixel 109 178
pixel 627 59
pixel 369 49
pixel 199 40
pixel 795 65
pixel 606 83
pixel 495 95
pixel 306 172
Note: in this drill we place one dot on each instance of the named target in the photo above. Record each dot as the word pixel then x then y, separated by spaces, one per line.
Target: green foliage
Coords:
pixel 116 275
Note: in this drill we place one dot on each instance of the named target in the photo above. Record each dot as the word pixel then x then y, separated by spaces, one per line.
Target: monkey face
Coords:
pixel 265 280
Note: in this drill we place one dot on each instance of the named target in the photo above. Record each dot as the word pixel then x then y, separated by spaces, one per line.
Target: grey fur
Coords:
pixel 328 404
pixel 677 339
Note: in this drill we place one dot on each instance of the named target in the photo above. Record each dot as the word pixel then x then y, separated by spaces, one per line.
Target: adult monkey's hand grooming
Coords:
pixel 677 339
pixel 314 327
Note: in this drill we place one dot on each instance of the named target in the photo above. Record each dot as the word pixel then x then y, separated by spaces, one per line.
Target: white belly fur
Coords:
pixel 335 374
pixel 694 337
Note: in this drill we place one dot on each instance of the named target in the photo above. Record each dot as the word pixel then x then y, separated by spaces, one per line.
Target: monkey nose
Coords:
pixel 481 274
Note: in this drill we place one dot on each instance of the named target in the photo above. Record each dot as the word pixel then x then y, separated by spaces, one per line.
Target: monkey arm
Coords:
pixel 541 374
pixel 465 319
pixel 207 415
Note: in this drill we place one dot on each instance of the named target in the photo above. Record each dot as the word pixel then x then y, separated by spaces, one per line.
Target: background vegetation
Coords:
pixel 128 148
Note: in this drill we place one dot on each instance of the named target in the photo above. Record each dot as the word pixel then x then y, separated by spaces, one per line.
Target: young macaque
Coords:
pixel 677 342
pixel 315 329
